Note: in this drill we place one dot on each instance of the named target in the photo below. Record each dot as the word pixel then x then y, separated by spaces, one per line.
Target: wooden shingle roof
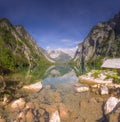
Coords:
pixel 112 63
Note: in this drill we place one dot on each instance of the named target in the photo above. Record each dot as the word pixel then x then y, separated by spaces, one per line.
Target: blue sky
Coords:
pixel 58 23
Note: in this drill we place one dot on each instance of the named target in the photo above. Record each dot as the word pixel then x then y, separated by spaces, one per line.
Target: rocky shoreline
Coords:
pixel 51 108
pixel 100 86
pixel 20 110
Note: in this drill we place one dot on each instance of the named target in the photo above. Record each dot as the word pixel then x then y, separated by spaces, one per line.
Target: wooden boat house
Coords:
pixel 112 64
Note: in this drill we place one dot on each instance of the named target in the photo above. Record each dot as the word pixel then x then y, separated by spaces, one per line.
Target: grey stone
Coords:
pixel 104 90
pixel 110 105
pixel 82 89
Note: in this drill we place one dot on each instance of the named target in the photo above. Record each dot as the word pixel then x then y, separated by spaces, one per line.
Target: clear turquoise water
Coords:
pixel 59 88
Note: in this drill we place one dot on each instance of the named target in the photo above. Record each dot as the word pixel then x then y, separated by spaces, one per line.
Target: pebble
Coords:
pixel 82 89
pixel 104 90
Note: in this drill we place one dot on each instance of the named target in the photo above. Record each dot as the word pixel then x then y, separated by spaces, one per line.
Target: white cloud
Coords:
pixel 70 43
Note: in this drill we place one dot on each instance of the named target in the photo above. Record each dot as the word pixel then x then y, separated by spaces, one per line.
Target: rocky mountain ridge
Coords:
pixel 18 48
pixel 103 41
pixel 59 55
pixel 20 29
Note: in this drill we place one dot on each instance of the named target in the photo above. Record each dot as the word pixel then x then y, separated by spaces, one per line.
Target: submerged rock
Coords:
pixel 104 90
pixel 21 116
pixel 30 105
pixel 95 86
pixel 2 120
pixel 55 117
pixel 114 117
pixel 77 84
pixel 18 104
pixel 82 89
pixel 34 87
pixel 111 105
pixel 63 111
pixel 29 117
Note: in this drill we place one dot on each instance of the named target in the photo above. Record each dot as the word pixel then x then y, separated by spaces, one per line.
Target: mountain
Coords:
pixel 60 55
pixel 20 29
pixel 103 41
pixel 18 48
pixel 69 51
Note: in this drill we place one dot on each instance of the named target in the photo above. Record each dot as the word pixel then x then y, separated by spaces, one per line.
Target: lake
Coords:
pixel 59 94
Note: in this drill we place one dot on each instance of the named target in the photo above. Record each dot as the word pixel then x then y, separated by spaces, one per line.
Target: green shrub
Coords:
pixel 115 78
pixel 96 73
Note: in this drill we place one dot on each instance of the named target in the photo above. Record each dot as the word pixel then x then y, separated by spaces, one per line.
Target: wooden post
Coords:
pixel 118 71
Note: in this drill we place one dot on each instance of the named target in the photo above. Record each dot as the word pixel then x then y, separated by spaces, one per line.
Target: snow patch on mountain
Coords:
pixel 56 52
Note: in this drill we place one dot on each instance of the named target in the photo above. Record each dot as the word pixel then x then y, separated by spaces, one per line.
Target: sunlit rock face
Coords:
pixel 102 41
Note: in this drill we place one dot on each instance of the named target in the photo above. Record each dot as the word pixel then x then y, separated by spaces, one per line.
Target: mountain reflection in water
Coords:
pixel 59 75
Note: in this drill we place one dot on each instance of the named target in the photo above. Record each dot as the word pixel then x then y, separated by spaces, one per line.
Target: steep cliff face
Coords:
pixel 39 50
pixel 18 48
pixel 103 41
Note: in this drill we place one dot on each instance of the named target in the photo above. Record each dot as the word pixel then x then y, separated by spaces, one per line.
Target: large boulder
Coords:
pixel 18 104
pixel 111 105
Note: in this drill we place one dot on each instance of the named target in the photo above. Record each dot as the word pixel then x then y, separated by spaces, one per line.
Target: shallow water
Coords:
pixel 59 87
pixel 59 94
